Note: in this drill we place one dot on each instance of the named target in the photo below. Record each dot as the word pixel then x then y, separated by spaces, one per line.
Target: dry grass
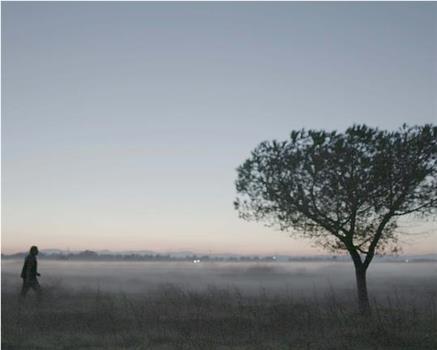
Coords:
pixel 173 318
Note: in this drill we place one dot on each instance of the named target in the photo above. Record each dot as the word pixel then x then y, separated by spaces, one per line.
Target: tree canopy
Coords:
pixel 343 189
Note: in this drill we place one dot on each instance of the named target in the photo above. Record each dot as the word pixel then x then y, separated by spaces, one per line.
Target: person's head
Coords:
pixel 34 250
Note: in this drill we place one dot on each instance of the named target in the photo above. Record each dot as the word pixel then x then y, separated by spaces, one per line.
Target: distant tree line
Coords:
pixel 89 255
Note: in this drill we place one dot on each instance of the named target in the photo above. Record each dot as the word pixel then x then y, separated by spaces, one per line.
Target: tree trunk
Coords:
pixel 363 298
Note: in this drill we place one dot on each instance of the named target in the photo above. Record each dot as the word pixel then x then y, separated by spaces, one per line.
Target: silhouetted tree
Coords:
pixel 343 190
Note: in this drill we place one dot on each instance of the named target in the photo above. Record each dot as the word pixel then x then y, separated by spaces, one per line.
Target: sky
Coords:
pixel 123 123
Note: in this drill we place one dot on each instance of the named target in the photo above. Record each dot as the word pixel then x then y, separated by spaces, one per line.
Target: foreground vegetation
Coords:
pixel 173 318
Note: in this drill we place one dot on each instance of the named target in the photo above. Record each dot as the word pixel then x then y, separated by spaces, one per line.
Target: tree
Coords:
pixel 345 191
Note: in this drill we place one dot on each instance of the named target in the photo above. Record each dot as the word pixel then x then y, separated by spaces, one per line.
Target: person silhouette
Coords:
pixel 29 273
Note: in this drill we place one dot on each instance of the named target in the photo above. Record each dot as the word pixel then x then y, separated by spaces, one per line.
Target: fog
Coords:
pixel 297 278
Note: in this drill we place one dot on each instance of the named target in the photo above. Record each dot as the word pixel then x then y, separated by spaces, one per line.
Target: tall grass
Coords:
pixel 170 317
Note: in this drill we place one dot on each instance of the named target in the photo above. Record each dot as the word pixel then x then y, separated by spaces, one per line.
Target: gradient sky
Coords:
pixel 123 123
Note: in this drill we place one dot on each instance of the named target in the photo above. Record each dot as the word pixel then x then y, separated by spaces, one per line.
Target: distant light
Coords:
pixel 196 261
pixel 274 257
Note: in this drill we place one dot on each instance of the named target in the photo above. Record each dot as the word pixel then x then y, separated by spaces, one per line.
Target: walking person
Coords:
pixel 29 274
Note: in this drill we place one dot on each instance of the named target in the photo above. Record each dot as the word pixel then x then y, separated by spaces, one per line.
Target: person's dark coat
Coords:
pixel 29 271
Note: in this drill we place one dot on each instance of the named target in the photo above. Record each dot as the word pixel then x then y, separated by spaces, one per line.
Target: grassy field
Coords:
pixel 168 316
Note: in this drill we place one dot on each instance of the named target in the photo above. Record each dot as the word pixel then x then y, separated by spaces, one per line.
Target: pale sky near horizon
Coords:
pixel 123 123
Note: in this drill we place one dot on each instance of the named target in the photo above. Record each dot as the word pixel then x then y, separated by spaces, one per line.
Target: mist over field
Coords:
pixel 298 278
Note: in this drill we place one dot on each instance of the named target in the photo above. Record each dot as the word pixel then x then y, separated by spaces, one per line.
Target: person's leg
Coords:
pixel 24 289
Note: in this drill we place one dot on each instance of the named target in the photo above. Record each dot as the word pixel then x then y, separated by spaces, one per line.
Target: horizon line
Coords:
pixel 133 251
